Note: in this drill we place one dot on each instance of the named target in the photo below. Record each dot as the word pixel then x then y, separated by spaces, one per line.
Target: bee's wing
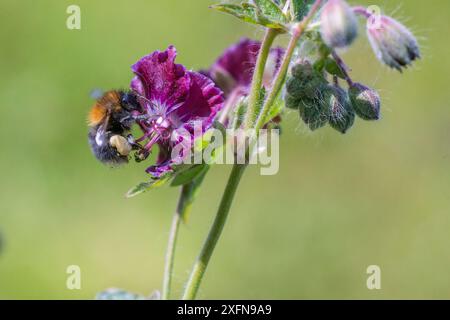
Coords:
pixel 100 136
pixel 96 93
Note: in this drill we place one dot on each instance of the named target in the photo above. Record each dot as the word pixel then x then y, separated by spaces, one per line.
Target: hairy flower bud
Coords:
pixel 342 115
pixel 304 81
pixel 292 102
pixel 365 101
pixel 315 112
pixel 306 91
pixel 302 69
pixel 392 42
pixel 339 26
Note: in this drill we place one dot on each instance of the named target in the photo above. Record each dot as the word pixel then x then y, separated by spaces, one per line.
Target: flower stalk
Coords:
pixel 343 67
pixel 170 252
pixel 258 76
pixel 215 231
pixel 297 32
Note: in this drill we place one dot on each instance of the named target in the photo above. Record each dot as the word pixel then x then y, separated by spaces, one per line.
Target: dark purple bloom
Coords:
pixel 173 100
pixel 233 71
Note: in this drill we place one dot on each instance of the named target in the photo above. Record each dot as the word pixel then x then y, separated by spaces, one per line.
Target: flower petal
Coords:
pixel 234 69
pixel 205 99
pixel 161 79
pixel 239 61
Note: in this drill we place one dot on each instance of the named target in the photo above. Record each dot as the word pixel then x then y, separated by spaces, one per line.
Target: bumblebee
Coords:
pixel 109 121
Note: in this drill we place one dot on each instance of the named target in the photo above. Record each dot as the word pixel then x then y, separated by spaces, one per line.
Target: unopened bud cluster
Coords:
pixel 320 103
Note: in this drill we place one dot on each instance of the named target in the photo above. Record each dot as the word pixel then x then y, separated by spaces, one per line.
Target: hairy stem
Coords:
pixel 258 76
pixel 215 231
pixel 342 66
pixel 297 32
pixel 170 252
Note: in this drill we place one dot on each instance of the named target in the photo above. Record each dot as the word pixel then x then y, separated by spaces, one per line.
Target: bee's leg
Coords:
pixel 140 117
pixel 141 155
pixel 132 141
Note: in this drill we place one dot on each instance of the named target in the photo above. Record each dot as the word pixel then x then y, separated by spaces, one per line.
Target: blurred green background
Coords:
pixel 377 196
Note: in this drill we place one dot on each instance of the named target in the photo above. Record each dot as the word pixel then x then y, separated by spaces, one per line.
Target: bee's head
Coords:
pixel 129 101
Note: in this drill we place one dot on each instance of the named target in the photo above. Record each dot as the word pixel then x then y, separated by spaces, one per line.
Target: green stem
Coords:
pixel 258 76
pixel 297 32
pixel 170 253
pixel 215 231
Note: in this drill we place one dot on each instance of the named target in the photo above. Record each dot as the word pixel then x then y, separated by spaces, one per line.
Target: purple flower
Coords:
pixel 233 71
pixel 173 101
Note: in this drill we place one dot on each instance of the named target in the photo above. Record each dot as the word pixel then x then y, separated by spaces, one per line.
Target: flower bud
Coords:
pixel 292 102
pixel 393 44
pixel 316 112
pixel 304 81
pixel 302 69
pixel 339 26
pixel 365 101
pixel 306 90
pixel 342 115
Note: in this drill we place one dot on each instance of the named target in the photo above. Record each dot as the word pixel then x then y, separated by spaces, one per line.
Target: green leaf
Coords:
pixel 252 14
pixel 300 8
pixel 146 186
pixel 118 294
pixel 319 65
pixel 188 195
pixel 271 11
pixel 186 176
pixel 247 14
pixel 332 67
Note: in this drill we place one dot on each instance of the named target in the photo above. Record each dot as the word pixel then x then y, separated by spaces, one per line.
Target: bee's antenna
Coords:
pixel 141 97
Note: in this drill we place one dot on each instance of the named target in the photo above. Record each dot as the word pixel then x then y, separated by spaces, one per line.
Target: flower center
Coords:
pixel 156 129
pixel 162 126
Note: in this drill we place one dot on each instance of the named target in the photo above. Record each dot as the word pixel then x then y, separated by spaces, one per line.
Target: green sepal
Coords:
pixel 186 176
pixel 342 115
pixel 189 193
pixel 332 67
